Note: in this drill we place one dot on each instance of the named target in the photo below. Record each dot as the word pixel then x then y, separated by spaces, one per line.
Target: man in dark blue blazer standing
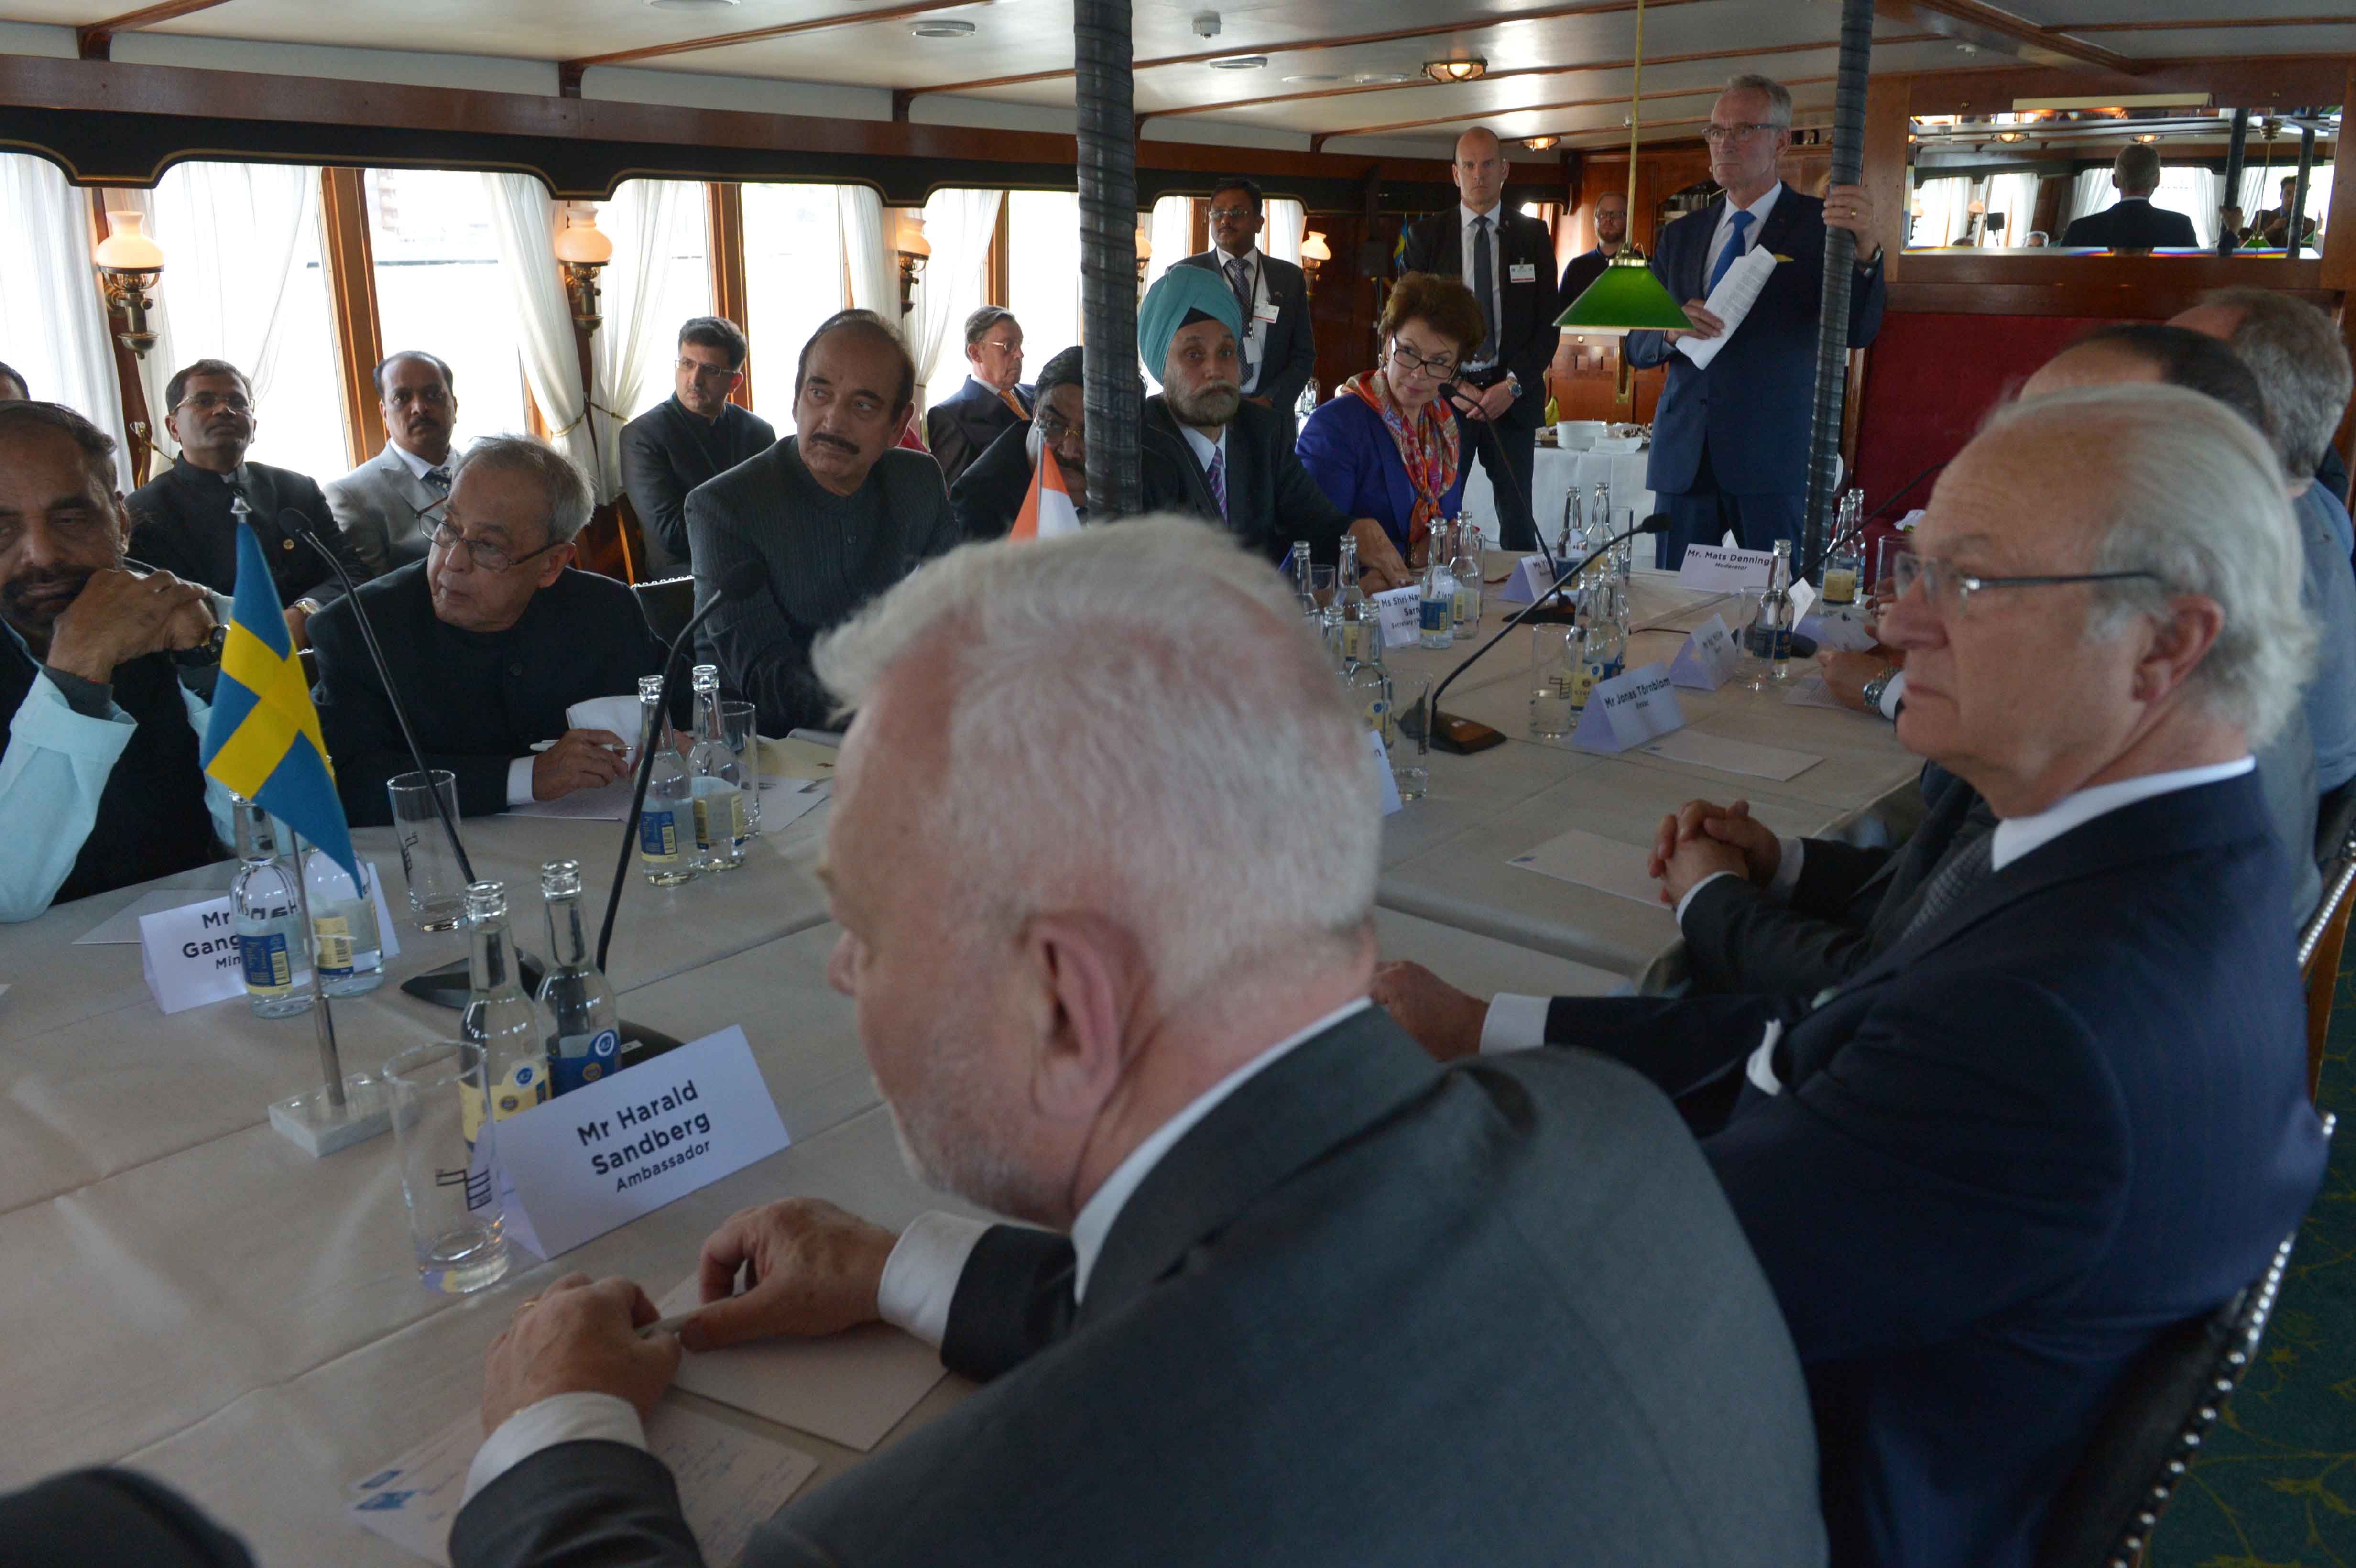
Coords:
pixel 2133 223
pixel 2066 1110
pixel 1730 440
pixel 1279 342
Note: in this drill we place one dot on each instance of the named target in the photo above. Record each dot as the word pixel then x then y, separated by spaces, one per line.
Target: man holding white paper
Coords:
pixel 1730 438
pixel 1238 1328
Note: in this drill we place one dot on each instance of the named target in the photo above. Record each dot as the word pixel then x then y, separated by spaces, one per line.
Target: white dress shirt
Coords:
pixel 1519 1023
pixel 919 1279
pixel 1496 216
pixel 1758 210
pixel 1253 346
pixel 1205 448
pixel 418 467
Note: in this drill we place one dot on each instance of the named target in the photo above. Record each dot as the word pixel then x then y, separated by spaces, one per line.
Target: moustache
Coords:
pixel 836 442
pixel 19 592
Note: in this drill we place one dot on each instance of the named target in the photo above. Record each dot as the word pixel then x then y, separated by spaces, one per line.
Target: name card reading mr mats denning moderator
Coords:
pixel 626 1145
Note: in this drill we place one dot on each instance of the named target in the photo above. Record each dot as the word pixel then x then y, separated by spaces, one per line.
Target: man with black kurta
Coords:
pixel 490 639
pixel 694 435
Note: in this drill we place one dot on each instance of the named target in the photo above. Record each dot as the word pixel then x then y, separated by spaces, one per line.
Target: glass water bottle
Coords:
pixel 498 1017
pixel 717 779
pixel 583 1023
pixel 266 918
pixel 666 823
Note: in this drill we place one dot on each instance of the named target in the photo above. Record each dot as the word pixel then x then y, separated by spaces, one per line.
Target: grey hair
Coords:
pixel 1141 728
pixel 2194 498
pixel 2136 171
pixel 1779 97
pixel 2301 366
pixel 568 502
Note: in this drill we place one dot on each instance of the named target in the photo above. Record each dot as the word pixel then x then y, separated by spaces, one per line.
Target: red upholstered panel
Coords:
pixel 1931 379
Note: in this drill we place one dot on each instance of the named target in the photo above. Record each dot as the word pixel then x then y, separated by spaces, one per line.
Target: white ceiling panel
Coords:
pixel 2208 43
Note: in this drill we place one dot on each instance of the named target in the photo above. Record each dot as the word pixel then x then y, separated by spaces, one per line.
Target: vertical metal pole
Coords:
pixel 1841 274
pixel 2295 221
pixel 330 1062
pixel 2236 151
pixel 1108 185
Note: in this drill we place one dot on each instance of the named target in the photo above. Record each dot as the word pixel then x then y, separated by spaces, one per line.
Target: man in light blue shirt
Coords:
pixel 99 782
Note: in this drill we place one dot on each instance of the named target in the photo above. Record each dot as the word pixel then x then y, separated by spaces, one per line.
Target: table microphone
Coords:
pixel 1451 391
pixel 1463 736
pixel 741 580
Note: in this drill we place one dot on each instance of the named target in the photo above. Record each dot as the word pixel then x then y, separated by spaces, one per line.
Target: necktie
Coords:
pixel 1732 253
pixel 1967 865
pixel 1241 279
pixel 1485 285
pixel 1218 477
pixel 438 481
pixel 1012 401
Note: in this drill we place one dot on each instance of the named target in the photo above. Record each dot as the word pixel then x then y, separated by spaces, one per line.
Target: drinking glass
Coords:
pixel 437 888
pixel 738 721
pixel 450 1187
pixel 1411 755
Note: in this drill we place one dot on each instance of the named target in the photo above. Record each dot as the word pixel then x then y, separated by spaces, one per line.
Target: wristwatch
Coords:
pixel 1867 264
pixel 1514 383
pixel 1878 686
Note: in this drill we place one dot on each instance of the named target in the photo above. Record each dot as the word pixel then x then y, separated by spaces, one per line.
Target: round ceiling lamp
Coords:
pixel 1455 71
pixel 943 29
pixel 1540 143
pixel 1239 62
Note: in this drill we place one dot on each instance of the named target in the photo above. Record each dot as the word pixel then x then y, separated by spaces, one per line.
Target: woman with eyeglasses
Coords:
pixel 1387 446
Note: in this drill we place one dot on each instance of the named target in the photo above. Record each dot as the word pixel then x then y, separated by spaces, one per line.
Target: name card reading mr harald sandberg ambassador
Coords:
pixel 610 1151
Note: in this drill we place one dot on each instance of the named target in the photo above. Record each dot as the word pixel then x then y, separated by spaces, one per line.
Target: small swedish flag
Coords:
pixel 264 742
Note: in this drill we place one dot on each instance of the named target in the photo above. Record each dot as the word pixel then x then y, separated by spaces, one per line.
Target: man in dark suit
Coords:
pixel 1279 341
pixel 489 639
pixel 388 506
pixel 1205 451
pixel 111 1516
pixel 1232 1324
pixel 961 427
pixel 2067 1109
pixel 694 435
pixel 988 498
pixel 1610 235
pixel 1730 439
pixel 1507 261
pixel 834 513
pixel 2132 223
pixel 185 519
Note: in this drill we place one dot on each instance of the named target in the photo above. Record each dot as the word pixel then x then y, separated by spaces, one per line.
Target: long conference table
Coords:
pixel 191 1295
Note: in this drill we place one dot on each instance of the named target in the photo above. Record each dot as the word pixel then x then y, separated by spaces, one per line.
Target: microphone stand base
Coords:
pixel 317 1128
pixel 1463 737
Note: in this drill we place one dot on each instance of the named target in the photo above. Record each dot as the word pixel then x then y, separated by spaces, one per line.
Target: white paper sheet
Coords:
pixel 850 1388
pixel 784 801
pixel 730 1482
pixel 1731 756
pixel 617 714
pixel 611 803
pixel 1731 301
pixel 796 759
pixel 1604 864
pixel 1810 691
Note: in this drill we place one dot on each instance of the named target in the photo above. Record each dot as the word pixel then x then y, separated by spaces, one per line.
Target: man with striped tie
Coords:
pixel 381 506
pixel 1280 343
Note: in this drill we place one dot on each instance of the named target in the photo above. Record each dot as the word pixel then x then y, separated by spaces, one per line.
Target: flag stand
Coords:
pixel 342 1111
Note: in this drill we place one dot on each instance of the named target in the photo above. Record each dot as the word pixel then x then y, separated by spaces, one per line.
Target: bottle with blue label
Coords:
pixel 1436 604
pixel 667 821
pixel 500 1018
pixel 717 779
pixel 268 916
pixel 583 1022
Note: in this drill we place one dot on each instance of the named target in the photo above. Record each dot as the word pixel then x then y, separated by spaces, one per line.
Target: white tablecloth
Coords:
pixel 1553 473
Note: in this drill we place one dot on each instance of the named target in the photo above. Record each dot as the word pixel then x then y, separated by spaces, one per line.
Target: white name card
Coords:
pixel 1529 580
pixel 1381 765
pixel 1400 611
pixel 1708 659
pixel 1804 599
pixel 1628 711
pixel 605 1154
pixel 1715 569
pixel 189 956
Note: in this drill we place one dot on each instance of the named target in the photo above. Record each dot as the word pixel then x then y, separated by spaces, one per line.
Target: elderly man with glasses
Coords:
pixel 961 427
pixel 2066 1110
pixel 988 498
pixel 693 435
pixel 490 639
pixel 185 519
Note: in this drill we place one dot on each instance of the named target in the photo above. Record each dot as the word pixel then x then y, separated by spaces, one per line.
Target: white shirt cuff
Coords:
pixel 920 1277
pixel 1680 914
pixel 560 1418
pixel 519 781
pixel 1893 694
pixel 1786 879
pixel 1514 1023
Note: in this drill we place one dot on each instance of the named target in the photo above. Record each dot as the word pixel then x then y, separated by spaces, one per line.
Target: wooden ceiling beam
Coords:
pixel 1317 142
pixel 1970 22
pixel 755 35
pixel 95 40
pixel 2339 21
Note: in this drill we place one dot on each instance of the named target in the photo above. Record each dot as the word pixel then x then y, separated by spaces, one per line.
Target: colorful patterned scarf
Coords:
pixel 1427 450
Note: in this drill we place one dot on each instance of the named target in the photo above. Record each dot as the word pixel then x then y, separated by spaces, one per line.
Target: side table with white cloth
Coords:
pixel 1555 472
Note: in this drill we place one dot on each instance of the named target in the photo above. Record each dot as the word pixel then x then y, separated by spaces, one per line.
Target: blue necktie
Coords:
pixel 1732 254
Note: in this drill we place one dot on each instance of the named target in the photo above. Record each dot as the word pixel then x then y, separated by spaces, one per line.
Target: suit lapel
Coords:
pixel 1694 271
pixel 1281 1120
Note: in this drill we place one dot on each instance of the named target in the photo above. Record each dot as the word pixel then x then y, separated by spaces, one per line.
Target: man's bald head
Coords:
pixel 1480 168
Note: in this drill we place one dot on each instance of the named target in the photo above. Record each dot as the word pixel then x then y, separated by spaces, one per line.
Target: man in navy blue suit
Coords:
pixel 1731 440
pixel 2067 1108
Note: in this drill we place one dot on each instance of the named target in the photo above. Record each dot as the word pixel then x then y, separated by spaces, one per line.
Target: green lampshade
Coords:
pixel 1626 298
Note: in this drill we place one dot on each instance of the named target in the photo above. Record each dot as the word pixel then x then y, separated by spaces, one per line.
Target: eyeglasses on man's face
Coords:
pixel 485 556
pixel 1949 590
pixel 1740 130
pixel 1054 427
pixel 206 402
pixel 1235 214
pixel 714 375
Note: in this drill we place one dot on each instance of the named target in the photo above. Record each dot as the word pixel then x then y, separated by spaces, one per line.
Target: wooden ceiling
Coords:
pixel 1557 67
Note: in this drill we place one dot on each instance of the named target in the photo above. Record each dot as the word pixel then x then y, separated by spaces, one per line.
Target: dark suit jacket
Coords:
pixel 1272 500
pixel 2132 223
pixel 961 427
pixel 1288 346
pixel 1365 1312
pixel 89 1517
pixel 1582 272
pixel 2010 1152
pixel 479 699
pixel 1348 451
pixel 987 496
pixel 1526 334
pixel 181 522
pixel 666 452
pixel 1753 403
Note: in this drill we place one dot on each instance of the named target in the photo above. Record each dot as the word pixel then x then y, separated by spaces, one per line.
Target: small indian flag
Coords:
pixel 1047 511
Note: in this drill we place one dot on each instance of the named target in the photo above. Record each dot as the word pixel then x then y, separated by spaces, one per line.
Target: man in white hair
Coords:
pixel 2066 1109
pixel 1296 1294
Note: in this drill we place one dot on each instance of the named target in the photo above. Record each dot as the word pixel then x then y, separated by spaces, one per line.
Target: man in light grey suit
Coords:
pixel 1296 1296
pixel 381 506
pixel 834 513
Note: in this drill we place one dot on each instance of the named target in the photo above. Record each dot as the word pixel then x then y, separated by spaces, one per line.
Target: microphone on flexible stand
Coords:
pixel 1451 391
pixel 1896 495
pixel 1465 736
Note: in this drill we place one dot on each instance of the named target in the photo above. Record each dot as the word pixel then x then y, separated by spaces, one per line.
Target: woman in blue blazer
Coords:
pixel 1387 446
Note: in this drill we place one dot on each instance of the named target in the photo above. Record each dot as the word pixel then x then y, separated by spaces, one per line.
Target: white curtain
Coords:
pixel 2015 195
pixel 53 326
pixel 635 285
pixel 2195 192
pixel 1280 236
pixel 867 255
pixel 1171 236
pixel 959 225
pixel 523 225
pixel 2092 193
pixel 1945 208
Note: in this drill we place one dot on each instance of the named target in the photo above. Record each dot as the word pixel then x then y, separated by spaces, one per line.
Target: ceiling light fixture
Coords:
pixel 1454 71
pixel 1540 143
pixel 943 28
pixel 1239 62
pixel 2008 135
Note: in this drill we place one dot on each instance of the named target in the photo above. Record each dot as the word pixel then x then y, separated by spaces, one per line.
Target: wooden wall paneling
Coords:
pixel 1886 118
pixel 2339 239
pixel 2263 81
pixel 357 332
pixel 724 253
